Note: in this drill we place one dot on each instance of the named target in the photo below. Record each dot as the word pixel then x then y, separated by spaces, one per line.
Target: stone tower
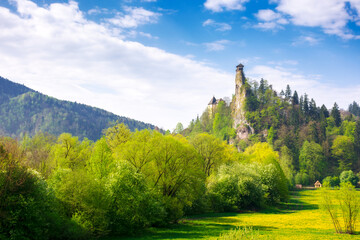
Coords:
pixel 243 129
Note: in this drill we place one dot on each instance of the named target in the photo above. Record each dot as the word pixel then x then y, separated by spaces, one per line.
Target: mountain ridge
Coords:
pixel 26 111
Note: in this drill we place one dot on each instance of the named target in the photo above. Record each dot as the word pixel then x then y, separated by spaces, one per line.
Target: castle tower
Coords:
pixel 243 129
pixel 240 95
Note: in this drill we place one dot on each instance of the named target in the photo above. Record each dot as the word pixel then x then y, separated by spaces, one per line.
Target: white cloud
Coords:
pixel 307 40
pixel 218 26
pixel 148 35
pixel 57 51
pixel 267 15
pixel 134 17
pixel 322 93
pixel 331 15
pixel 227 5
pixel 270 20
pixel 217 45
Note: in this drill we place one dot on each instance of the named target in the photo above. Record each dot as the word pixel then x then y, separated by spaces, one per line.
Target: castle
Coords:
pixel 243 129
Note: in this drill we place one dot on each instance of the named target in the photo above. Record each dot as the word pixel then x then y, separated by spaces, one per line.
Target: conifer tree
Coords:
pixel 282 94
pixel 306 105
pixel 288 92
pixel 335 113
pixel 324 113
pixel 295 98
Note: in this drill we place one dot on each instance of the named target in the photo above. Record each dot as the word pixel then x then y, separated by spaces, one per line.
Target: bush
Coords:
pixel 83 199
pixel 349 176
pixel 331 181
pixel 28 208
pixel 119 205
pixel 302 178
pixel 343 203
pixel 235 187
pixel 134 205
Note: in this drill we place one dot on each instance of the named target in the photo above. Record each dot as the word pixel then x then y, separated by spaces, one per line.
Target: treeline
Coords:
pixel 313 141
pixel 25 111
pixel 64 188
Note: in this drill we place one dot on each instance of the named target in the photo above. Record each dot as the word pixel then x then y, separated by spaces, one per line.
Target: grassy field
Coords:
pixel 300 218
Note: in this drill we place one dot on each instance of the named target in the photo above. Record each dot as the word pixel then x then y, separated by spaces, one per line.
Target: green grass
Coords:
pixel 300 218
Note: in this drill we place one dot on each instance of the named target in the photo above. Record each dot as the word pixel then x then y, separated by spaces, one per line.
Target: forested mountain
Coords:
pixel 23 110
pixel 313 142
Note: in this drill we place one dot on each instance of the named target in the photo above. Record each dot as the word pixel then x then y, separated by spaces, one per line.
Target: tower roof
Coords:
pixel 212 101
pixel 239 67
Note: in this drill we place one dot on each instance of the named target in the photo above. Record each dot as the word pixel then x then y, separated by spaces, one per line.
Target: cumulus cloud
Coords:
pixel 218 26
pixel 332 16
pixel 225 5
pixel 270 20
pixel 57 51
pixel 134 17
pixel 322 93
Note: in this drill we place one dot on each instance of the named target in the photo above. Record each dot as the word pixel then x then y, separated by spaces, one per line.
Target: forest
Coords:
pixel 66 187
pixel 25 111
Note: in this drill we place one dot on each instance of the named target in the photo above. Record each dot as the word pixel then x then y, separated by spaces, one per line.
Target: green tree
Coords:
pixel 212 151
pixel 287 92
pixel 349 176
pixel 295 98
pixel 335 113
pixel 138 151
pixel 179 128
pixel 343 151
pixel 101 162
pixel 117 135
pixel 69 152
pixel 312 160
pixel 286 162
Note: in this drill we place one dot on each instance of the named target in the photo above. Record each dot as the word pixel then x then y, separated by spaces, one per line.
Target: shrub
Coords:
pixel 302 178
pixel 349 176
pixel 28 208
pixel 235 187
pixel 331 181
pixel 134 205
pixel 343 203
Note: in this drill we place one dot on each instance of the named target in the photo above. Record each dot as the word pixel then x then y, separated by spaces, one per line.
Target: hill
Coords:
pixel 313 141
pixel 23 110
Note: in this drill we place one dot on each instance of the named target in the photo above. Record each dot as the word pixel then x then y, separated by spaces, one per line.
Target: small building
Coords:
pixel 318 184
pixel 213 104
pixel 298 186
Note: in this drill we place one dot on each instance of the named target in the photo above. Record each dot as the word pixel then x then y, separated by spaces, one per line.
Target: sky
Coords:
pixel 161 61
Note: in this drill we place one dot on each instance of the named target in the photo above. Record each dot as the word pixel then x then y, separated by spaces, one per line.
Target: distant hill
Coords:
pixel 23 110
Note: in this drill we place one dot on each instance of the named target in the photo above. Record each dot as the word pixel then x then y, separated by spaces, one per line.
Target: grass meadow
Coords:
pixel 300 218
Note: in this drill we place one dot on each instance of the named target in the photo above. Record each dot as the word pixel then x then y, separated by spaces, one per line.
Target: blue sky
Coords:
pixel 160 61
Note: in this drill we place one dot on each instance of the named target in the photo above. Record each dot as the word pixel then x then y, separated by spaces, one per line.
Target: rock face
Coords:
pixel 243 129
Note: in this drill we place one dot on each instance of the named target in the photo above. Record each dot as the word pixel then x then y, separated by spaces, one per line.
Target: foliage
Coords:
pixel 243 233
pixel 331 181
pixel 344 204
pixel 302 178
pixel 349 176
pixel 312 160
pixel 235 187
pixel 133 204
pixel 343 150
pixel 272 176
pixel 213 151
pixel 28 208
pixel 23 110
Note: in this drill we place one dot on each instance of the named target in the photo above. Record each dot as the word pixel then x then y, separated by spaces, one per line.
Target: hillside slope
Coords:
pixel 23 110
